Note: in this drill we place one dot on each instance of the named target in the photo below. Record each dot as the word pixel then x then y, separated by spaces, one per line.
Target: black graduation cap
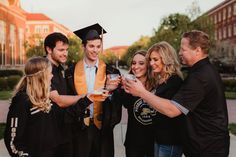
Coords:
pixel 90 32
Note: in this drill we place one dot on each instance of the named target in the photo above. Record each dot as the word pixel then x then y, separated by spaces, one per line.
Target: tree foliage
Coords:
pixel 171 29
pixel 109 58
pixel 35 50
pixel 75 51
pixel 141 44
pixel 34 46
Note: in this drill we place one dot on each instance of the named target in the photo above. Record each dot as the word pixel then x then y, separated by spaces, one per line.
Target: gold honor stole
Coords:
pixel 81 88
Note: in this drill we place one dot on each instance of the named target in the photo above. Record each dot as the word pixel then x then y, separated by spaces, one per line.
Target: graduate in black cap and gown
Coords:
pixel 94 137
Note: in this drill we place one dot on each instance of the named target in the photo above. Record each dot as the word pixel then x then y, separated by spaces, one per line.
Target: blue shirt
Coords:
pixel 90 74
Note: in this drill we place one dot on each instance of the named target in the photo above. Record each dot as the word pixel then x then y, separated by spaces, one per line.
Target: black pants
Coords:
pixel 87 143
pixel 139 152
pixel 65 150
pixel 48 153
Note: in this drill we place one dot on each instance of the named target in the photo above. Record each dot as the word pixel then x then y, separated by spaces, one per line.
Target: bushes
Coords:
pixel 9 72
pixel 3 83
pixel 12 81
pixel 8 83
pixel 9 78
pixel 230 85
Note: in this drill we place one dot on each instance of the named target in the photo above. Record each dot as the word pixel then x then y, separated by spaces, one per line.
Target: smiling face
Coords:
pixel 156 62
pixel 59 53
pixel 92 49
pixel 139 66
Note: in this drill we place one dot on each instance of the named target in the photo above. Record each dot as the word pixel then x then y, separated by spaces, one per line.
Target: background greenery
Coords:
pixel 2 128
pixel 232 128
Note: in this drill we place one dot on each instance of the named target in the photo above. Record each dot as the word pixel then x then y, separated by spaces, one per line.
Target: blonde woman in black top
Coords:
pixel 166 74
pixel 31 129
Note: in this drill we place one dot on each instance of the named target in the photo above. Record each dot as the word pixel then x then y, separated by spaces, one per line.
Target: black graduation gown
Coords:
pixel 110 117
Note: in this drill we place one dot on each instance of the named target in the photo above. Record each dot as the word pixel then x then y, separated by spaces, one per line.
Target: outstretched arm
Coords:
pixel 64 100
pixel 162 105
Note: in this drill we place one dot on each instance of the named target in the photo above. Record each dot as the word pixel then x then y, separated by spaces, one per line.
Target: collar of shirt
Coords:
pixel 58 67
pixel 199 64
pixel 89 66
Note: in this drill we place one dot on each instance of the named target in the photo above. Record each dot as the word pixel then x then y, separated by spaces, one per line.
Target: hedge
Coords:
pixel 9 72
pixel 230 85
pixel 8 83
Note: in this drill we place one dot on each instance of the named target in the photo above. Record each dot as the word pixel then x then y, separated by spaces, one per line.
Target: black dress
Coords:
pixel 29 131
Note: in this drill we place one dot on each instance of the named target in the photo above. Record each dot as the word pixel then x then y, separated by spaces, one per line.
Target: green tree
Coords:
pixel 34 46
pixel 171 29
pixel 109 57
pixel 205 24
pixel 75 50
pixel 35 50
pixel 141 44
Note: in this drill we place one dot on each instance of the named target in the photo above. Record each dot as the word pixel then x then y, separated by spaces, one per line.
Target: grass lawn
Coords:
pixel 2 128
pixel 230 95
pixel 232 128
pixel 5 95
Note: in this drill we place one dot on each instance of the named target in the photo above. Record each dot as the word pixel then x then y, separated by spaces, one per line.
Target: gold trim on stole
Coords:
pixel 81 88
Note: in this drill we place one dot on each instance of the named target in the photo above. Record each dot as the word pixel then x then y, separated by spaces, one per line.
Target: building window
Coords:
pixel 37 29
pixel 215 34
pixel 219 32
pixel 45 29
pixel 229 30
pixel 27 30
pixel 219 16
pixel 224 32
pixel 234 8
pixel 12 44
pixel 235 29
pixel 224 13
pixel 21 46
pixel 215 18
pixel 229 11
pixel 2 43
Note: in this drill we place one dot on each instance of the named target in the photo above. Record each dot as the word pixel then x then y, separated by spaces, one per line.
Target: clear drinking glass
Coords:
pixel 129 77
pixel 114 76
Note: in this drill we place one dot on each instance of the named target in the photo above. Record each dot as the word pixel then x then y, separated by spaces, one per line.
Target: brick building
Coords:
pixel 224 18
pixel 18 26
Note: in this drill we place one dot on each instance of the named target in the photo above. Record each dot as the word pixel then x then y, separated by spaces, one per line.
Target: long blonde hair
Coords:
pixel 169 59
pixel 36 82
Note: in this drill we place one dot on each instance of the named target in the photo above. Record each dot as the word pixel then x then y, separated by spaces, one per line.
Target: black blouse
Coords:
pixel 168 130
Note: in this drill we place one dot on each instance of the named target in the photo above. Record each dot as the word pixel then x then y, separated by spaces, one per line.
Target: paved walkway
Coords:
pixel 120 130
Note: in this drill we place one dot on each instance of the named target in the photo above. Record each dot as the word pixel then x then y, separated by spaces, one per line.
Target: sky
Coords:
pixel 124 20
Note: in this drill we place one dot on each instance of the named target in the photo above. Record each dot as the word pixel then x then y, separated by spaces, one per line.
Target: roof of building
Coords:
pixel 36 17
pixel 220 5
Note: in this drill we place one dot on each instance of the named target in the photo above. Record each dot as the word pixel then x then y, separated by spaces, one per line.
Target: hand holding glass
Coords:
pixel 99 95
